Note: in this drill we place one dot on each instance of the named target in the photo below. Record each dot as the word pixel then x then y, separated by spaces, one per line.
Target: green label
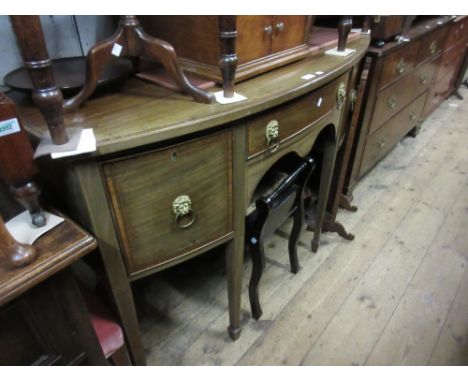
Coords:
pixel 9 126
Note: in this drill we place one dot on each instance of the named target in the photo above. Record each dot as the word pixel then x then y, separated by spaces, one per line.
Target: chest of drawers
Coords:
pixel 404 83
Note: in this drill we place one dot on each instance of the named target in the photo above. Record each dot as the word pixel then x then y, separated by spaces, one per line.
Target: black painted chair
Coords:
pixel 286 200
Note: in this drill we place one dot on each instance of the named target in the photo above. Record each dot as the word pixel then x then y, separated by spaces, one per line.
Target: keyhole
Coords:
pixel 174 156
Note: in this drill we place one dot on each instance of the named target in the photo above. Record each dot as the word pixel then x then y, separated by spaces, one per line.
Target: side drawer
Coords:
pixel 384 139
pixel 398 63
pixel 451 61
pixel 143 189
pixel 397 96
pixel 292 118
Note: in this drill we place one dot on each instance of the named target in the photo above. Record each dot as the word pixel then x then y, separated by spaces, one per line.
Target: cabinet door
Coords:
pixel 253 37
pixel 288 32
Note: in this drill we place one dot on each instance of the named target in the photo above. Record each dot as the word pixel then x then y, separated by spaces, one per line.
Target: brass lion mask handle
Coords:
pixel 182 207
pixel 272 135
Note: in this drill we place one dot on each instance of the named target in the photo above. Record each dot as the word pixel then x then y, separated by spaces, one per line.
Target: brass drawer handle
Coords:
pixel 412 116
pixel 392 102
pixel 340 95
pixel 268 29
pixel 272 135
pixel 401 66
pixel 380 144
pixel 423 79
pixel 433 47
pixel 280 27
pixel 182 207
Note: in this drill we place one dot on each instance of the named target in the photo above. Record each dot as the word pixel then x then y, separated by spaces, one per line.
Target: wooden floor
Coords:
pixel 396 295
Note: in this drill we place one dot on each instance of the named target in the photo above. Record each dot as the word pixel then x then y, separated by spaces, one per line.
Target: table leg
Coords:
pixel 329 155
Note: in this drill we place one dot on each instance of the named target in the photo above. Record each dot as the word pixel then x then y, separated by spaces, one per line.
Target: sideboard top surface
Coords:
pixel 142 113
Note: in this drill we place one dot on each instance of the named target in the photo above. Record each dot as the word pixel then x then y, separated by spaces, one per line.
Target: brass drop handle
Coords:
pixel 182 207
pixel 272 136
pixel 268 29
pixel 392 102
pixel 412 116
pixel 423 79
pixel 340 95
pixel 280 27
pixel 401 66
pixel 380 144
pixel 433 47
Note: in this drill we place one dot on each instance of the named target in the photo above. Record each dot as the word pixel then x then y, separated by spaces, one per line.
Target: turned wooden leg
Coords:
pixel 344 27
pixel 258 265
pixel 16 254
pixel 46 96
pixel 294 238
pixel 228 60
pixel 28 196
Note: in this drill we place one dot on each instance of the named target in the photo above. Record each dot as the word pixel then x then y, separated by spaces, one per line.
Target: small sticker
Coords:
pixel 439 22
pixel 9 126
pixel 308 76
pixel 319 102
pixel 116 50
pixel 319 73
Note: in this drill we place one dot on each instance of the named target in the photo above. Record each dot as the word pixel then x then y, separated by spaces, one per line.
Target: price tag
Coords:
pixel 116 50
pixel 9 126
pixel 319 102
pixel 308 76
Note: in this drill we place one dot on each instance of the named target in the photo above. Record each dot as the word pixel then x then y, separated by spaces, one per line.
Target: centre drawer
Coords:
pixel 170 202
pixel 289 119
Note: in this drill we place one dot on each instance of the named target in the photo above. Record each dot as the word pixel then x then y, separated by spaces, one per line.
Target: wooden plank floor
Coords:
pixel 396 295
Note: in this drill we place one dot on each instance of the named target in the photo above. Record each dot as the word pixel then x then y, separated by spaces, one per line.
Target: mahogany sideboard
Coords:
pixel 172 178
pixel 404 82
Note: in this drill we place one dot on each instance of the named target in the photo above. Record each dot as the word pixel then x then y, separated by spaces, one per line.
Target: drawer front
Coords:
pixel 431 44
pixel 397 96
pixel 398 64
pixel 384 139
pixel 143 189
pixel 292 118
pixel 437 94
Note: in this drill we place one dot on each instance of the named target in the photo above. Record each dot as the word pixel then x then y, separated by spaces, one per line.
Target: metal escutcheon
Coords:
pixel 401 66
pixel 391 102
pixel 433 47
pixel 272 135
pixel 182 207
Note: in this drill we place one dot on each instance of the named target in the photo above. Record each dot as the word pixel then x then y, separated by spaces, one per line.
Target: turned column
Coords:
pixel 17 167
pixel 228 60
pixel 344 27
pixel 16 254
pixel 46 96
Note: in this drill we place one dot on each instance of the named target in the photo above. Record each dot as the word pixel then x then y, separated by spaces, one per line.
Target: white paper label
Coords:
pixel 319 102
pixel 9 126
pixel 319 72
pixel 116 50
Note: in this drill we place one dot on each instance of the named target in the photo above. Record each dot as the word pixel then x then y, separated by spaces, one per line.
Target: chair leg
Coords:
pixel 258 265
pixel 121 357
pixel 293 239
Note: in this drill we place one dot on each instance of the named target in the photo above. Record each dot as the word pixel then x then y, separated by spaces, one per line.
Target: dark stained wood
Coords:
pixel 65 244
pixel 17 167
pixel 14 254
pixel 344 27
pixel 131 41
pixel 47 97
pixel 228 58
pixel 387 27
pixel 288 32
